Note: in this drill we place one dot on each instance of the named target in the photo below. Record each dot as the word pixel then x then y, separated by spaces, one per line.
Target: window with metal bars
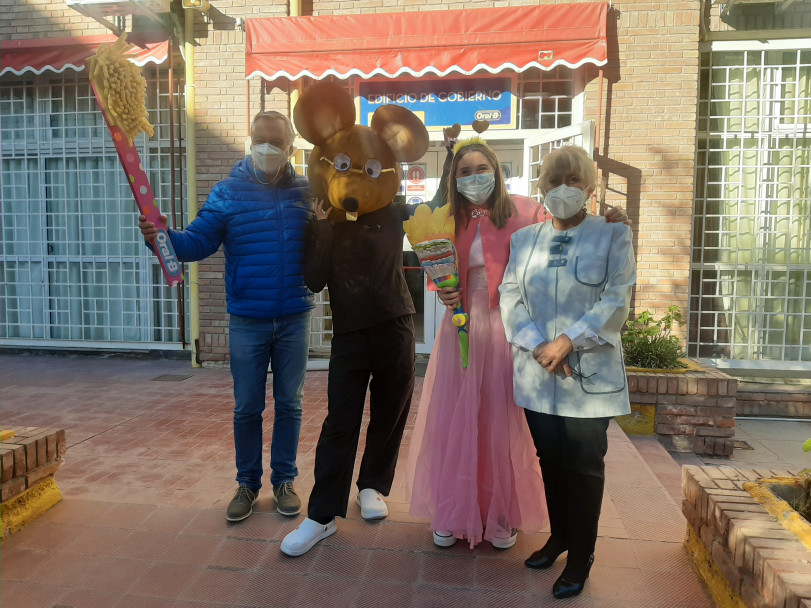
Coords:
pixel 751 256
pixel 75 271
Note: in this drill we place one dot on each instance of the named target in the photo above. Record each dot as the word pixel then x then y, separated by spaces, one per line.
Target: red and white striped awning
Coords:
pixel 59 54
pixel 428 42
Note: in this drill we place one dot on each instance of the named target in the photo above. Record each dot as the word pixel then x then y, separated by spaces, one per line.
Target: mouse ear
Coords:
pixel 322 110
pixel 402 131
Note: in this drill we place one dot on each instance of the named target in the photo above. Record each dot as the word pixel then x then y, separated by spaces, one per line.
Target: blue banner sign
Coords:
pixel 441 103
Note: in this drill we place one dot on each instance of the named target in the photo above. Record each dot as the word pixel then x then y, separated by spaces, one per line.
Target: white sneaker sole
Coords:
pixel 504 543
pixel 444 541
pixel 296 551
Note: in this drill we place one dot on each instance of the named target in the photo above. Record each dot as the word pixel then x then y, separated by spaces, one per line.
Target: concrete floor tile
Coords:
pixel 372 594
pixel 447 569
pixel 45 536
pixel 19 564
pixel 89 598
pixel 98 541
pixel 435 596
pixel 270 588
pixel 149 474
pixel 502 575
pixel 189 549
pixel 164 579
pixel 661 556
pixel 18 594
pixel 487 598
pixel 143 601
pixel 547 600
pixel 341 562
pixel 215 585
pixel 677 586
pixel 327 592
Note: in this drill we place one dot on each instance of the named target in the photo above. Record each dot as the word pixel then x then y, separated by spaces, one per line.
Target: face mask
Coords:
pixel 268 158
pixel 476 188
pixel 564 201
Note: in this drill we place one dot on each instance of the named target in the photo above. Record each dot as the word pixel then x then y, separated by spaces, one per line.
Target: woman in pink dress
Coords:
pixel 472 465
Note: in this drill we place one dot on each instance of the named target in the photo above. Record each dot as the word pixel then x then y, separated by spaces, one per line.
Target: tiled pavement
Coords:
pixel 149 471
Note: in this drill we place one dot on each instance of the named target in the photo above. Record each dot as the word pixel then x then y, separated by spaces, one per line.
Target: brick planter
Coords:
pixel 693 411
pixel 29 458
pixel 744 544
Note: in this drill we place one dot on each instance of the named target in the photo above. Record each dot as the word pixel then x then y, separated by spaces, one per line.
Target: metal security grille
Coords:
pixel 751 257
pixel 75 271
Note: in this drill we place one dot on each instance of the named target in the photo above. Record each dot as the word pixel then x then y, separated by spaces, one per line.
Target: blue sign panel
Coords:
pixel 441 103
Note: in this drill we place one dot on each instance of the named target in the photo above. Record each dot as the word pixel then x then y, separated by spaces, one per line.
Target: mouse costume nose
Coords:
pixel 350 205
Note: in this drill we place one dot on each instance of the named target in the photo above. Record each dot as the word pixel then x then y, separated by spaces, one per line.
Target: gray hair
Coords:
pixel 274 115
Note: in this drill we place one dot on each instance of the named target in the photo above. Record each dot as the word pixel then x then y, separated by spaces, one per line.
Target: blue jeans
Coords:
pixel 282 342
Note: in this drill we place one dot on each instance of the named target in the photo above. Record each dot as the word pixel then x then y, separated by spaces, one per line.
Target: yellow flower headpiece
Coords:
pixel 470 140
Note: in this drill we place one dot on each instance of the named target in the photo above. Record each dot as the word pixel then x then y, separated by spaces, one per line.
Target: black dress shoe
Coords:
pixel 564 587
pixel 541 560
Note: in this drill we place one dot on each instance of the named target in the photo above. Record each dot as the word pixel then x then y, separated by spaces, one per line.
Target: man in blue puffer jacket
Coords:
pixel 259 215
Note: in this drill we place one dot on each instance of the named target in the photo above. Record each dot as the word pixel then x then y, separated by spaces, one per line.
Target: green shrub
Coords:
pixel 803 504
pixel 647 342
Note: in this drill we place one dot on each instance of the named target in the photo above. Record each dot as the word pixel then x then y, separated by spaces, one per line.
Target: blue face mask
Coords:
pixel 476 188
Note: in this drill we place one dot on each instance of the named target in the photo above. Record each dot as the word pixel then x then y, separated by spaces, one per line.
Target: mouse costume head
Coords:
pixel 356 168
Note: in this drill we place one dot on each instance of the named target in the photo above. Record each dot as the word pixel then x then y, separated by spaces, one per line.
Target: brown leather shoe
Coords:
pixel 287 501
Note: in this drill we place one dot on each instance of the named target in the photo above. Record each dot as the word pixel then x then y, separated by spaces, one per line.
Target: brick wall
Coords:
pixel 647 142
pixel 225 104
pixel 44 19
pixel 31 456
pixel 695 412
pixel 742 550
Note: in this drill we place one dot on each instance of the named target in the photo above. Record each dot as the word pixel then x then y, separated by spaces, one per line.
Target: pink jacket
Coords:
pixel 495 243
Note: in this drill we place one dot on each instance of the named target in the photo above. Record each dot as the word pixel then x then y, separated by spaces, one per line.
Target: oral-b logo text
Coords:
pixel 167 256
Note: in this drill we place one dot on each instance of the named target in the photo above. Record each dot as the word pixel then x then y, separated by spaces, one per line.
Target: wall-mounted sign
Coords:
pixel 416 174
pixel 441 103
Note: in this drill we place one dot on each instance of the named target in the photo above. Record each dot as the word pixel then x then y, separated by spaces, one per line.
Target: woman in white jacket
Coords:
pixel 564 298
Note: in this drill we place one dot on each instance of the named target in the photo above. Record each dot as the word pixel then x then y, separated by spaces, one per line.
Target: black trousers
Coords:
pixel 571 452
pixel 384 353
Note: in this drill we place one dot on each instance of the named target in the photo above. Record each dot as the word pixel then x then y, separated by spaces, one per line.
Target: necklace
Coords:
pixel 478 212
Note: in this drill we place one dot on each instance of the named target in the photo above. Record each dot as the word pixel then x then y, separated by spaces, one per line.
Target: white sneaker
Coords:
pixel 444 538
pixel 505 543
pixel 304 538
pixel 372 505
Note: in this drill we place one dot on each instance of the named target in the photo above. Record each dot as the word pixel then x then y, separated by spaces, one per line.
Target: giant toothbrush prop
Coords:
pixel 431 236
pixel 119 89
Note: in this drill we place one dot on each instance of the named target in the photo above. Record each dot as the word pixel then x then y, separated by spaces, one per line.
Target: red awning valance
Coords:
pixel 59 54
pixel 437 42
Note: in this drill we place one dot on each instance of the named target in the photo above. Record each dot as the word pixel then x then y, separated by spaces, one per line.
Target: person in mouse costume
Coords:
pixel 355 249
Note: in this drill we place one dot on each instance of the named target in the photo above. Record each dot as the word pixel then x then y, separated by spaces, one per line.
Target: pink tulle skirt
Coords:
pixel 472 467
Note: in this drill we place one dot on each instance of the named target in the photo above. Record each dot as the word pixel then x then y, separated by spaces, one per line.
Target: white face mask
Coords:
pixel 564 201
pixel 476 188
pixel 268 159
